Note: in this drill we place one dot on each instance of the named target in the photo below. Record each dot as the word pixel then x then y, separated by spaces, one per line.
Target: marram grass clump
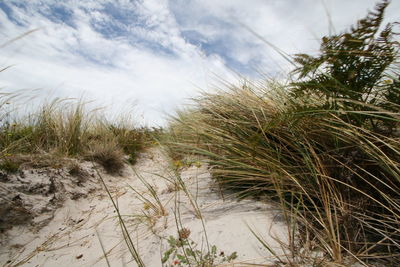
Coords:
pixel 109 155
pixel 326 147
pixel 66 128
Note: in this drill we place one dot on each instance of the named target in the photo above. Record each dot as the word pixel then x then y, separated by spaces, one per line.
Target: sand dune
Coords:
pixel 82 226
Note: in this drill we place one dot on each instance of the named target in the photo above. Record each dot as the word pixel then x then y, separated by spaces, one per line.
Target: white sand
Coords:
pixel 71 238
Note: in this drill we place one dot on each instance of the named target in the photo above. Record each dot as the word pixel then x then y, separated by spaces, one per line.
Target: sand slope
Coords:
pixel 83 220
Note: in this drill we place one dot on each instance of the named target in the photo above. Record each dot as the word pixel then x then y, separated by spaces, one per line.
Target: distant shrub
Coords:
pixel 132 141
pixel 108 155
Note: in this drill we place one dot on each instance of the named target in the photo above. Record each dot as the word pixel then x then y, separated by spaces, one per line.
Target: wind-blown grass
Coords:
pixel 327 147
pixel 66 128
pixel 341 180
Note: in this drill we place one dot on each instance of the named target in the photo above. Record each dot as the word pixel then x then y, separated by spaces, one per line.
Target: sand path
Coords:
pixel 84 230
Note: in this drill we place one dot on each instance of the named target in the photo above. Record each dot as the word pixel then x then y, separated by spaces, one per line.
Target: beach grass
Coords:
pixel 326 146
pixel 67 128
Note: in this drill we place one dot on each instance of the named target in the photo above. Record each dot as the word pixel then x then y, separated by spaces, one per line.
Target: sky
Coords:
pixel 151 56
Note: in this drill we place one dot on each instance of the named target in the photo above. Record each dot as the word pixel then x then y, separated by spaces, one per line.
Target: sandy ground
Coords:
pixel 83 227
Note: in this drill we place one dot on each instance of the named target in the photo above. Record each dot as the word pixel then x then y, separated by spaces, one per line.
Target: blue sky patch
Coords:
pixel 9 12
pixel 59 14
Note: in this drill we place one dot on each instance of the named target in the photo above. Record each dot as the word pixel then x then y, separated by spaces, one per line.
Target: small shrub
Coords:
pixel 108 155
pixel 355 71
pixel 132 140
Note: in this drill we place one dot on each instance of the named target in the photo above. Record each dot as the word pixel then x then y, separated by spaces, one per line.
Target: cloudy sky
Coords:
pixel 157 53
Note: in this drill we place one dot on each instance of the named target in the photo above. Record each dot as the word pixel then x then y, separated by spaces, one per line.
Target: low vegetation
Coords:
pixel 183 252
pixel 65 128
pixel 326 146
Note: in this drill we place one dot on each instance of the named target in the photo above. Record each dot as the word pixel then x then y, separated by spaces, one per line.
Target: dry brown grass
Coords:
pixel 109 155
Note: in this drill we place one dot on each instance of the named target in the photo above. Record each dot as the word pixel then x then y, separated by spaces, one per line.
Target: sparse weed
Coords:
pixel 150 199
pixel 183 252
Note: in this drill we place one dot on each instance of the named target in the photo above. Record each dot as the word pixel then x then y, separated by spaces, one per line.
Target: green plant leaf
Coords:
pixel 214 250
pixel 232 256
pixel 190 252
pixel 167 254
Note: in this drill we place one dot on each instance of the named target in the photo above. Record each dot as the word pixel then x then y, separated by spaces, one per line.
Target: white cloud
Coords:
pixel 291 25
pixel 150 57
pixel 74 60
